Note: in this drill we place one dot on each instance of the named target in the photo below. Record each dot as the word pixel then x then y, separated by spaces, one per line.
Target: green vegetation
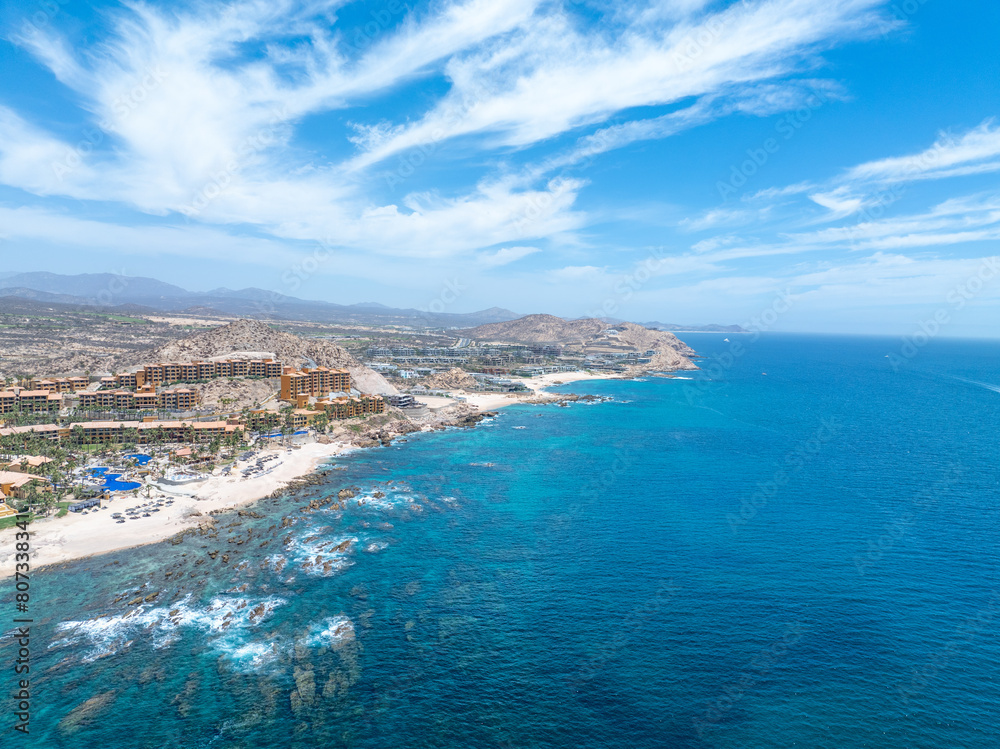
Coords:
pixel 6 523
pixel 121 318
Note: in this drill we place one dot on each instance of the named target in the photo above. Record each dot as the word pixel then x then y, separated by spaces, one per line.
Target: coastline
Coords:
pixel 59 540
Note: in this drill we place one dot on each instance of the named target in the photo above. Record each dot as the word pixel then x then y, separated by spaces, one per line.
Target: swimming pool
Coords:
pixel 140 458
pixel 111 482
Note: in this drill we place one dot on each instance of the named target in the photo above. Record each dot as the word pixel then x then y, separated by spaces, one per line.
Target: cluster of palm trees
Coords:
pixel 65 458
pixel 61 463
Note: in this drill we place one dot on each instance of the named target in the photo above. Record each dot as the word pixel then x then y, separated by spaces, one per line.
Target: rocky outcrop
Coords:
pixel 454 379
pixel 237 394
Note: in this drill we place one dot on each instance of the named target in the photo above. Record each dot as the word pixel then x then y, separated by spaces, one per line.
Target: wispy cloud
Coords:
pixel 189 122
pixel 505 256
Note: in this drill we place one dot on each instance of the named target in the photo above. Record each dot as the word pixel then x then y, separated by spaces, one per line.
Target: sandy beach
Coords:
pixel 493 401
pixel 75 536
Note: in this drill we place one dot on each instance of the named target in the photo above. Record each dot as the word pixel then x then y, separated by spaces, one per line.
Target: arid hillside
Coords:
pixel 454 379
pixel 54 339
pixel 589 336
pixel 255 336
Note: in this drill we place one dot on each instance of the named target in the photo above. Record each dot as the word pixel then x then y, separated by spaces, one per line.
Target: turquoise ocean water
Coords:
pixel 797 546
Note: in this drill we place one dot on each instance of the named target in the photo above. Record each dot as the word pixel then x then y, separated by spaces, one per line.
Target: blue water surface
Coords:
pixel 111 481
pixel 797 546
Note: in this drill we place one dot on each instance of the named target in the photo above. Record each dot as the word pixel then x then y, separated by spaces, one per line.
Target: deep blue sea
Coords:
pixel 797 547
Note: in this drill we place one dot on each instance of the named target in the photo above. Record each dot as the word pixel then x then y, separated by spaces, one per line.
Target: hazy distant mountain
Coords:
pixel 711 328
pixel 108 290
pixel 100 288
pixel 43 297
pixel 673 327
pixel 111 290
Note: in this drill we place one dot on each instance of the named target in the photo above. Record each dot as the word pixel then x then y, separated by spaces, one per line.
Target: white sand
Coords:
pixel 76 535
pixel 493 401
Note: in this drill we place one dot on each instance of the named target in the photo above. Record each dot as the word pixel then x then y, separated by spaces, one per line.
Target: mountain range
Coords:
pixel 111 290
pixel 138 294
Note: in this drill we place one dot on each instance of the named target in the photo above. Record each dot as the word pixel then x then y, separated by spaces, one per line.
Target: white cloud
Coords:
pixel 550 78
pixel 577 273
pixel 975 151
pixel 190 123
pixel 505 256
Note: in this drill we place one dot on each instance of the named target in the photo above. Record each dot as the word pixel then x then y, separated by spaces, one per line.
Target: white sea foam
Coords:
pixel 108 635
pixel 252 656
pixel 322 556
pixel 329 632
pixel 984 385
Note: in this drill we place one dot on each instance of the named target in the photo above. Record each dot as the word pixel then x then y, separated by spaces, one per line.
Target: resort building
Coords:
pixel 45 431
pixel 16 484
pixel 302 417
pixel 142 432
pixel 31 401
pixel 24 463
pixel 402 401
pixel 151 431
pixel 179 399
pixel 164 373
pixel 350 407
pixel 317 382
pixel 263 420
pixel 60 384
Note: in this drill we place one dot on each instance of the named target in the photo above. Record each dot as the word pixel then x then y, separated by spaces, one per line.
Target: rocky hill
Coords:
pixel 454 379
pixel 589 336
pixel 255 336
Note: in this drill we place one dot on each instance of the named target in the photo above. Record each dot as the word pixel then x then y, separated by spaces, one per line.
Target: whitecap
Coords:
pixel 109 635
pixel 329 632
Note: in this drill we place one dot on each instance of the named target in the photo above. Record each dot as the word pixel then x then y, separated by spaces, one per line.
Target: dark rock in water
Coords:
pixel 346 493
pixel 151 597
pixel 472 419
pixel 256 613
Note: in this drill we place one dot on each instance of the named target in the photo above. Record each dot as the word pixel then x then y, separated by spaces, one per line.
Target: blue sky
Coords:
pixel 822 165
